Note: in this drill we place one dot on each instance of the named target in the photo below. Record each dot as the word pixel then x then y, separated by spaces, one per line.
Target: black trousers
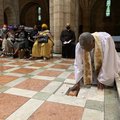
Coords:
pixel 68 51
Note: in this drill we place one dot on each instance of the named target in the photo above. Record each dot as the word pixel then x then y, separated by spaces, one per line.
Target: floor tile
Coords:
pixel 9 104
pixel 3 68
pixel 43 77
pixel 52 87
pixel 38 90
pixel 95 105
pixel 50 73
pixel 2 61
pixel 23 70
pixel 59 79
pixel 68 100
pixel 56 111
pixel 39 64
pixel 63 89
pixel 112 105
pixel 14 74
pixel 15 82
pixel 3 88
pixel 64 75
pixel 71 76
pixel 67 61
pixel 21 92
pixel 33 84
pixel 25 111
pixel 5 79
pixel 19 63
pixel 95 94
pixel 90 114
pixel 70 81
pixel 61 66
pixel 42 96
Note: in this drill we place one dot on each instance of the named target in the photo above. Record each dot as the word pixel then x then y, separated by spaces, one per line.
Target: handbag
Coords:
pixel 43 39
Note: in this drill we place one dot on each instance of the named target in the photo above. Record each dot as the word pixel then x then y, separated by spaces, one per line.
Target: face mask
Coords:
pixel 68 27
pixel 4 29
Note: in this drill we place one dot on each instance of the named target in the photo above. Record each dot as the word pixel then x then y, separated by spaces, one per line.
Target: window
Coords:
pixel 108 8
pixel 39 13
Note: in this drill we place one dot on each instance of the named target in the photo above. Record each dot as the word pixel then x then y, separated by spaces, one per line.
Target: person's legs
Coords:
pixel 64 51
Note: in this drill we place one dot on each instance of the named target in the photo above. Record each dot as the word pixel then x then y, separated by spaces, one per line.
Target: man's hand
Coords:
pixel 100 86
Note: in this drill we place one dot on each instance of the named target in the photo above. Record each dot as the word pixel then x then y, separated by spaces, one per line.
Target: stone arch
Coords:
pixel 9 16
pixel 28 13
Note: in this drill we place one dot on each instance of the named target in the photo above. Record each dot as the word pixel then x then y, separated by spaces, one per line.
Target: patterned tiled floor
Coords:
pixel 35 90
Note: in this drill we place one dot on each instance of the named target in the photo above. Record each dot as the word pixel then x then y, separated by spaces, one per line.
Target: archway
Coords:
pixel 29 14
pixel 9 16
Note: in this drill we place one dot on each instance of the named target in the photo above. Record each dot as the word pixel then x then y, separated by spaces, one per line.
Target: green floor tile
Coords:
pixel 96 105
pixel 41 96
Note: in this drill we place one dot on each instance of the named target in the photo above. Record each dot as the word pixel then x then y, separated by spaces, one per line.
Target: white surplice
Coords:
pixel 110 69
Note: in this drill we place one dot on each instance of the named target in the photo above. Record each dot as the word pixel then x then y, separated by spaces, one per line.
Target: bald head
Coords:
pixel 87 41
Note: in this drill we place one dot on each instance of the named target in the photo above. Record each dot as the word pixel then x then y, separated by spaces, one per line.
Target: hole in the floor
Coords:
pixel 72 93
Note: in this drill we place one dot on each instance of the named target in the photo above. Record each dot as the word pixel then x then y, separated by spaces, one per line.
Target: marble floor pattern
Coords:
pixel 35 90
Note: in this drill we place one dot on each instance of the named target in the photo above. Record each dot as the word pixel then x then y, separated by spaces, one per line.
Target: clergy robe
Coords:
pixel 110 68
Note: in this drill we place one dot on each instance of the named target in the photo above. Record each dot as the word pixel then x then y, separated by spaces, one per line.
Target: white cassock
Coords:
pixel 110 69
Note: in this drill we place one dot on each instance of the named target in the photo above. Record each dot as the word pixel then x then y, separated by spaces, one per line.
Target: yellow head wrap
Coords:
pixel 44 26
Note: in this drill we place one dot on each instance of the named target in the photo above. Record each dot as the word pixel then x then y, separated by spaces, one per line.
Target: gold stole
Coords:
pixel 98 56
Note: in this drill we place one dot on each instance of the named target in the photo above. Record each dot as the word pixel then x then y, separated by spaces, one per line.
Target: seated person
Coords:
pixel 43 50
pixel 21 41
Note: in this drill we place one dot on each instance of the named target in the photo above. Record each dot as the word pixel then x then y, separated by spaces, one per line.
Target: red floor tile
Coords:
pixel 56 111
pixel 33 84
pixel 3 61
pixel 71 76
pixel 2 68
pixel 39 64
pixel 5 79
pixel 68 61
pixel 60 66
pixel 23 70
pixel 19 63
pixel 50 73
pixel 10 103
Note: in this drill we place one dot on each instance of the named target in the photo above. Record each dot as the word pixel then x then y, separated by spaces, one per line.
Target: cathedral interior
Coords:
pixel 36 89
pixel 83 15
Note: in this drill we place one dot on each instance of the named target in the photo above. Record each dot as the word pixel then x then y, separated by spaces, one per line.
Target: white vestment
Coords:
pixel 110 69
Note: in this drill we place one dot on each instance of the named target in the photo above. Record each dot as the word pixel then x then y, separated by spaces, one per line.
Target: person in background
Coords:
pixel 10 40
pixel 68 38
pixel 96 61
pixel 31 38
pixel 43 50
pixel 4 40
pixel 21 41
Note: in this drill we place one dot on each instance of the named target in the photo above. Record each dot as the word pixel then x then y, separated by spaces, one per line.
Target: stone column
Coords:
pixel 51 14
pixel 58 20
pixel 62 12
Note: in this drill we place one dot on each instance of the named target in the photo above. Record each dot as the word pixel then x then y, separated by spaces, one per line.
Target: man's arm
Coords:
pixel 78 64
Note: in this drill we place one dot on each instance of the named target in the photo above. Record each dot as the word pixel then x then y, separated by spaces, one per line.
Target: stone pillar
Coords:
pixel 51 13
pixel 62 12
pixel 58 20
